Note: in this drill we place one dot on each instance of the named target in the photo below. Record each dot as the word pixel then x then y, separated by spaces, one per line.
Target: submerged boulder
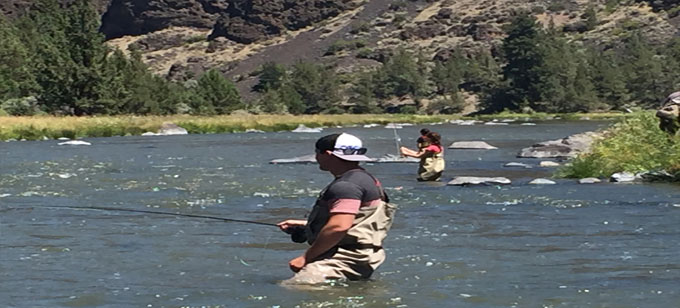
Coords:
pixel 517 165
pixel 391 158
pixel 589 181
pixel 473 180
pixel 305 159
pixel 472 145
pixel 304 129
pixel 542 182
pixel 74 142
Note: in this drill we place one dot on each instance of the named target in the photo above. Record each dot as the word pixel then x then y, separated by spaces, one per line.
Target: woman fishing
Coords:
pixel 431 154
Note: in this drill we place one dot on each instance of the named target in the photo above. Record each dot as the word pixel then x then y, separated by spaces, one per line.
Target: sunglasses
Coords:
pixel 359 151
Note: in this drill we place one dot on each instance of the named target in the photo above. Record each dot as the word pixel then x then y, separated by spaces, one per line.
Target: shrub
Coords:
pixel 20 106
pixel 408 110
pixel 621 150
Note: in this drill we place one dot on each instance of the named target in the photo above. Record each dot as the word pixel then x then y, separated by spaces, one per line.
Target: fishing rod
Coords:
pixel 114 209
pixel 397 139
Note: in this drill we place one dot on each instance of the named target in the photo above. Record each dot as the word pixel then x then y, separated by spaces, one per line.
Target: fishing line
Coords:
pixel 397 139
pixel 114 209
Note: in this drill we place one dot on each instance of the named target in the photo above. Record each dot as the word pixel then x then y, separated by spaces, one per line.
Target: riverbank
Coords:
pixel 634 145
pixel 50 127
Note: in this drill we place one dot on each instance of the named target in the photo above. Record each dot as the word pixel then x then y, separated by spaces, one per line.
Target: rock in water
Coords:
pixel 547 163
pixel 472 145
pixel 306 159
pixel 542 182
pixel 472 180
pixel 391 158
pixel 564 148
pixel 589 181
pixel 171 129
pixel 622 177
pixel 520 165
pixel 304 129
pixel 74 142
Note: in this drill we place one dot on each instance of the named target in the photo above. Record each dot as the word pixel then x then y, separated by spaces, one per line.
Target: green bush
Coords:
pixel 636 144
pixel 408 110
pixel 25 106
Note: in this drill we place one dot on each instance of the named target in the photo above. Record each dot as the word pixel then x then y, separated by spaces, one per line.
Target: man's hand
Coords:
pixel 284 225
pixel 297 264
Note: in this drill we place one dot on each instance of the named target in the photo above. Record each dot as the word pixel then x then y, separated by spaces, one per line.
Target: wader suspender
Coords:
pixel 384 198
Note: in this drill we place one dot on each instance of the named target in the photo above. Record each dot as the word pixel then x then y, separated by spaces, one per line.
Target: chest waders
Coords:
pixel 357 254
pixel 431 167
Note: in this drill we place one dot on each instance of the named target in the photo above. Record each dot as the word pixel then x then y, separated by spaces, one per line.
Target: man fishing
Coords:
pixel 349 220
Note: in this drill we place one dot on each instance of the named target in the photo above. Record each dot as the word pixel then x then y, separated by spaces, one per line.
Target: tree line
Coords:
pixel 55 61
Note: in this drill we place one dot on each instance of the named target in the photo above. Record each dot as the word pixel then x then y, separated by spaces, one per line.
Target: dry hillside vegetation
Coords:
pixel 433 28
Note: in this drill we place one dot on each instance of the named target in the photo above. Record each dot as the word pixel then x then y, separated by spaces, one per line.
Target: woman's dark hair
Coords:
pixel 434 137
pixel 424 131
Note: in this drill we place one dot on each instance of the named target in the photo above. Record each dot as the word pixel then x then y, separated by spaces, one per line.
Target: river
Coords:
pixel 520 245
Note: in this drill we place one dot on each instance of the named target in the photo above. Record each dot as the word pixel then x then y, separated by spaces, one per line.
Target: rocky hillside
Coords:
pixel 183 38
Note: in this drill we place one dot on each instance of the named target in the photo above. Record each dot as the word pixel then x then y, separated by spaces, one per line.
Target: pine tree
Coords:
pixel 609 79
pixel 405 75
pixel 317 86
pixel 16 76
pixel 590 17
pixel 523 53
pixel 448 76
pixel 644 70
pixel 87 50
pixel 271 77
pixel 366 101
pixel 219 92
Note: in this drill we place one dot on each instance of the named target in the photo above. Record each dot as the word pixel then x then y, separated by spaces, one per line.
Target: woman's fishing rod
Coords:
pixel 114 209
pixel 397 139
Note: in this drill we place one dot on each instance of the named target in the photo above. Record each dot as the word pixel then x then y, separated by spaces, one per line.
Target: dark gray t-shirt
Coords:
pixel 354 184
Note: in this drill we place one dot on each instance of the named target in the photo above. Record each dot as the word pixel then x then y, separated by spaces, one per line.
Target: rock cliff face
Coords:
pixel 135 17
pixel 13 8
pixel 247 21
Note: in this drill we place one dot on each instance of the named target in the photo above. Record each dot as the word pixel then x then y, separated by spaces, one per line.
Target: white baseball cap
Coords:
pixel 344 146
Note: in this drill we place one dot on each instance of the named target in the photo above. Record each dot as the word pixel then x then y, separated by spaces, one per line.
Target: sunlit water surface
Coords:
pixel 564 245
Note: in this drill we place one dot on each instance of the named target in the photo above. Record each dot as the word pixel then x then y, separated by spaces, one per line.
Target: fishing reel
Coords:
pixel 297 234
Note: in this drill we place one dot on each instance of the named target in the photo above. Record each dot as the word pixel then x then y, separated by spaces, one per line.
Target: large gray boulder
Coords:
pixel 567 147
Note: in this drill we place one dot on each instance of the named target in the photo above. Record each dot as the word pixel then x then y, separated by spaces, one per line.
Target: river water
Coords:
pixel 521 245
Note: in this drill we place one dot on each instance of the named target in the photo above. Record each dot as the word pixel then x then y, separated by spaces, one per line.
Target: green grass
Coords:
pixel 635 144
pixel 550 116
pixel 50 127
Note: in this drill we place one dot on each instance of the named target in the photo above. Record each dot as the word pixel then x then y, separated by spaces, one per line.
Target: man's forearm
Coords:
pixel 330 235
pixel 326 240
